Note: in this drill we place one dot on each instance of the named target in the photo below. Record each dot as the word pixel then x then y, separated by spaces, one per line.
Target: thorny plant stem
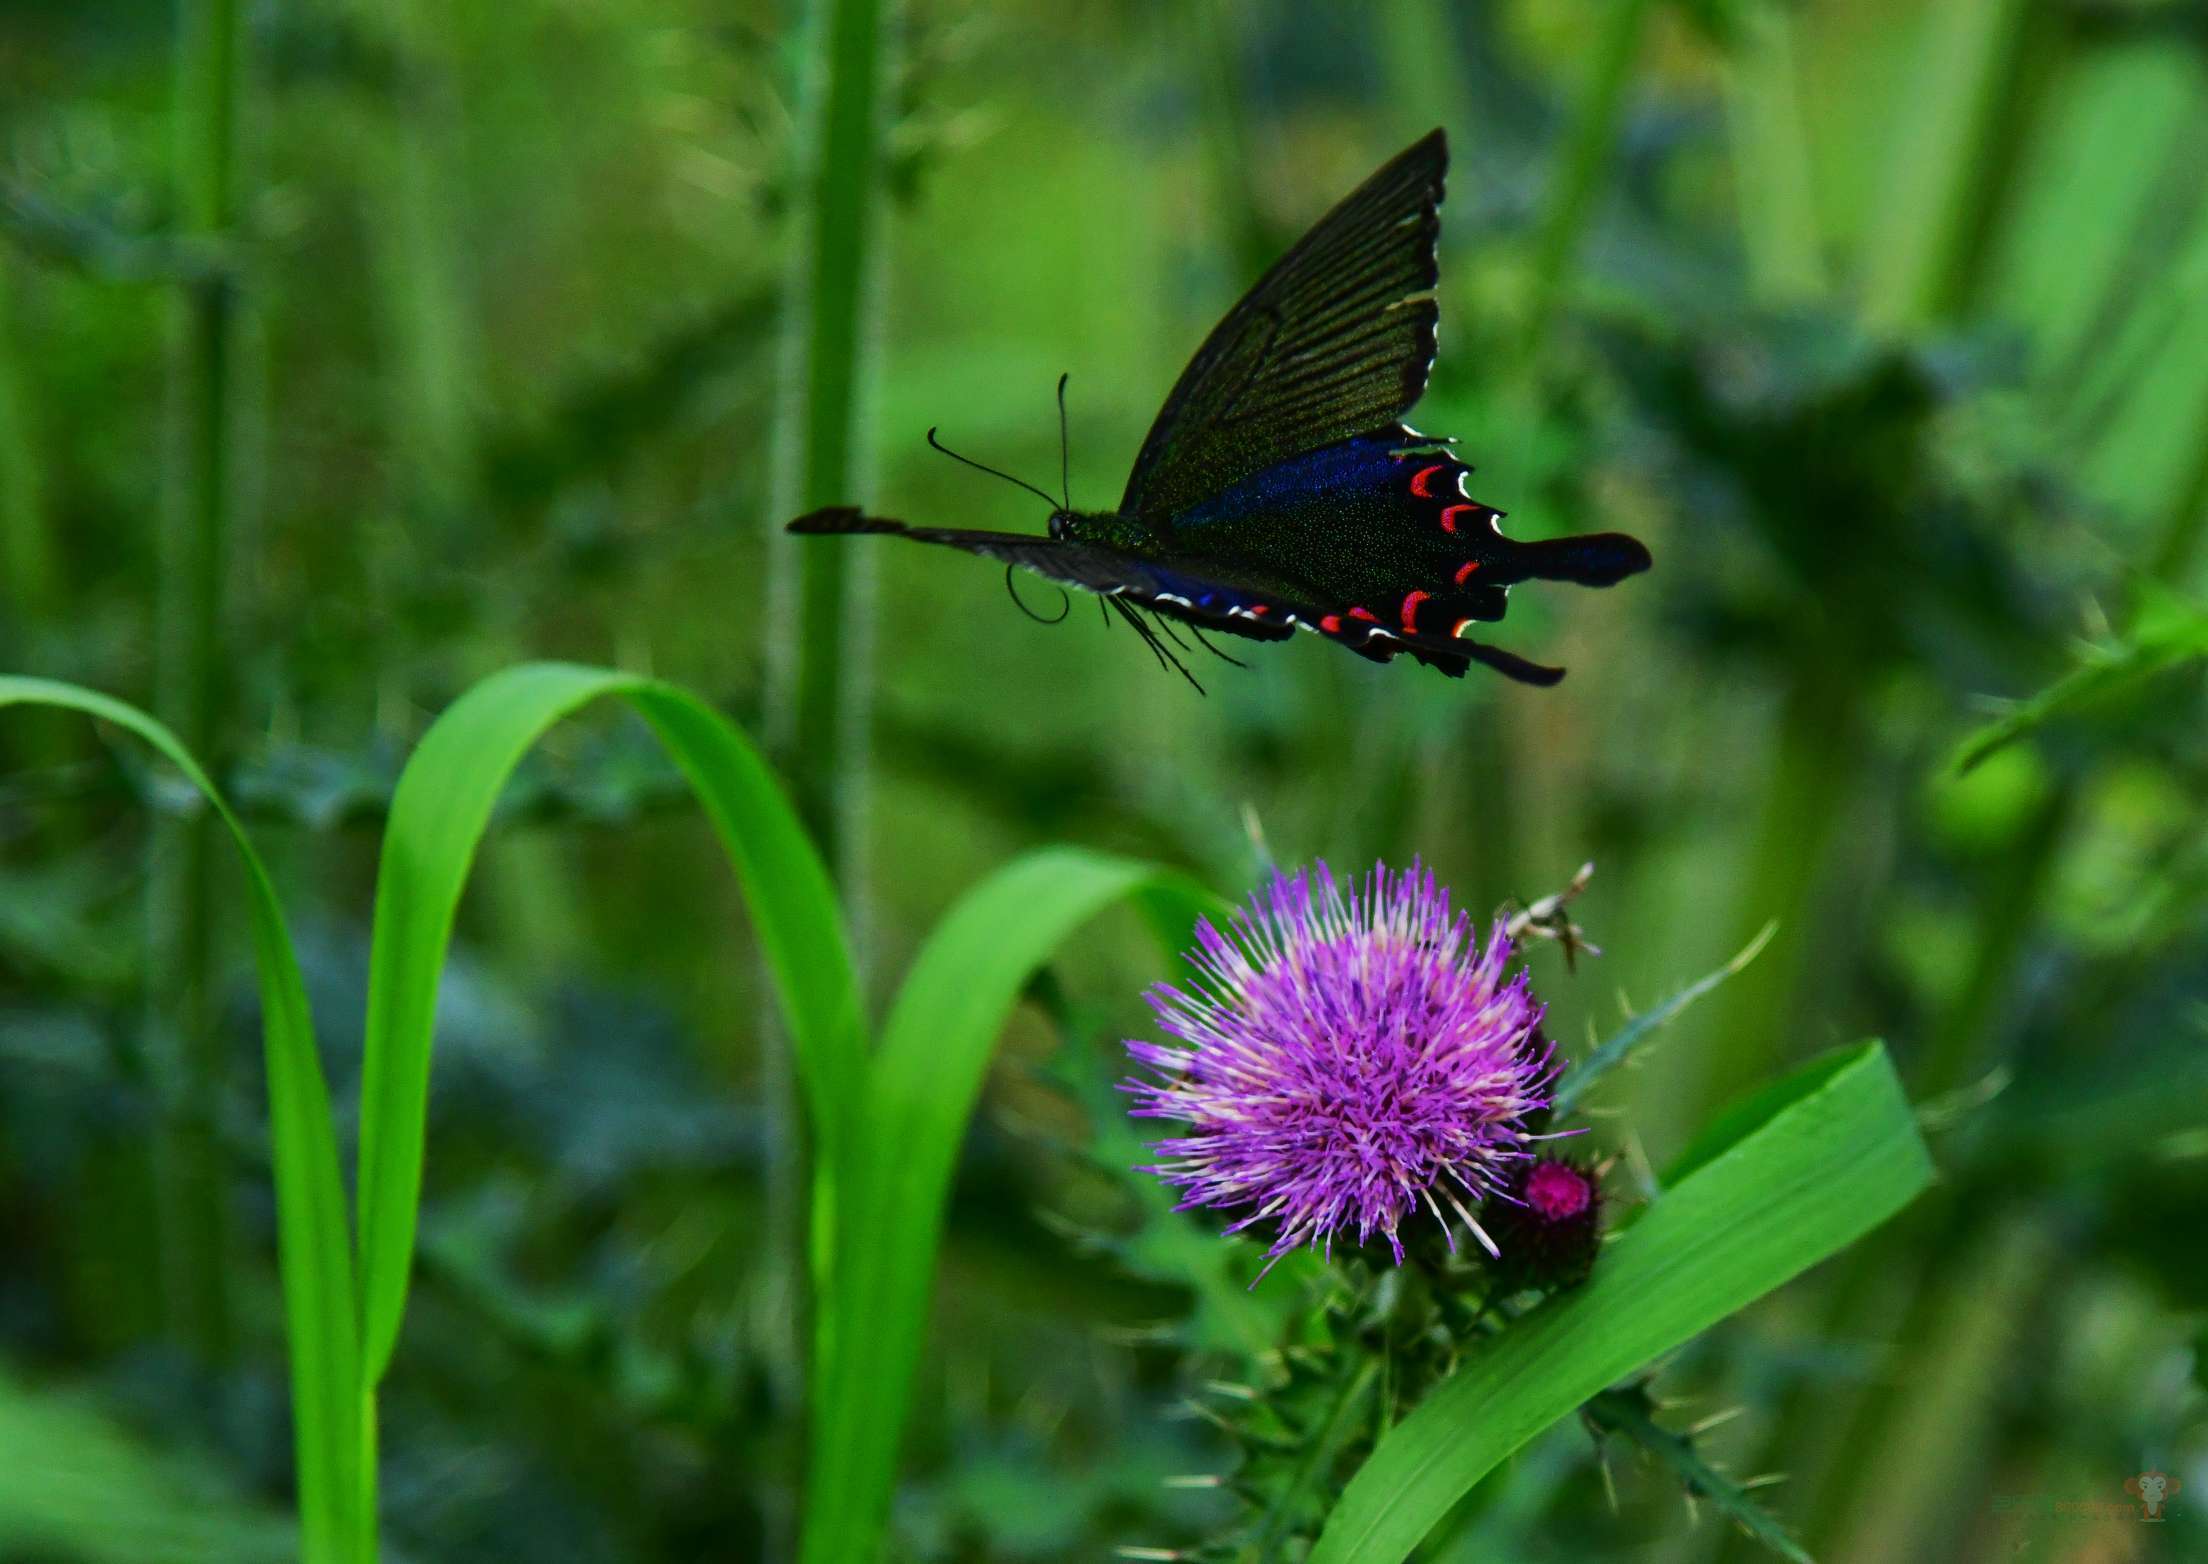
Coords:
pixel 820 648
pixel 1360 1371
pixel 193 680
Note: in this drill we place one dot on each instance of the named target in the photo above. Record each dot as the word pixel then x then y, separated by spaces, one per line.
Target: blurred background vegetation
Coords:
pixel 349 352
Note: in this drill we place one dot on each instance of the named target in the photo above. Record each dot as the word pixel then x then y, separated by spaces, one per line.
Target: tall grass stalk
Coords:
pixel 1944 195
pixel 1815 770
pixel 27 561
pixel 820 642
pixel 192 671
pixel 1771 165
pixel 1970 1314
pixel 1934 202
pixel 1586 161
pixel 420 273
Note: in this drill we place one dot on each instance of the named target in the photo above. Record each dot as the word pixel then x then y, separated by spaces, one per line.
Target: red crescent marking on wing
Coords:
pixel 1466 569
pixel 1257 608
pixel 1331 624
pixel 1410 610
pixel 1418 481
pixel 1367 616
pixel 1449 516
pixel 1462 625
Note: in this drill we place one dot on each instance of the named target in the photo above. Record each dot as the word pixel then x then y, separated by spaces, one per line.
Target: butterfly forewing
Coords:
pixel 1336 340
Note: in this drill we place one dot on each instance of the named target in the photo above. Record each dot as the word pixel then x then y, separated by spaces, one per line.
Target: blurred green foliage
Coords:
pixel 1885 322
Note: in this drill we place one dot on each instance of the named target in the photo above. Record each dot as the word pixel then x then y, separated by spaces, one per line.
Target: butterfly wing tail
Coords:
pixel 1453 657
pixel 1596 559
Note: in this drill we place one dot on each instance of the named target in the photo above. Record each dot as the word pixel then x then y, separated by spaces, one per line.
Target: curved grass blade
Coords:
pixel 2170 631
pixel 1638 1029
pixel 921 1090
pixel 1774 1185
pixel 439 813
pixel 314 1250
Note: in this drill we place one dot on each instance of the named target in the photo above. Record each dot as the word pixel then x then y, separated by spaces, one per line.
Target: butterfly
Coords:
pixel 1280 489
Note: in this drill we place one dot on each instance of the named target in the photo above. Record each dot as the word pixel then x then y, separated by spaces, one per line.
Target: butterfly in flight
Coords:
pixel 1280 489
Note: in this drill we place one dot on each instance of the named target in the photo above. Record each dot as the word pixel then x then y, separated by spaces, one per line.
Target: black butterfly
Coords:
pixel 1279 488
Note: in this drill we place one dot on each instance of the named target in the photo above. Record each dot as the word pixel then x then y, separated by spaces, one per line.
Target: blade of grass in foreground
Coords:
pixel 1619 1045
pixel 1775 1184
pixel 926 1076
pixel 314 1250
pixel 439 813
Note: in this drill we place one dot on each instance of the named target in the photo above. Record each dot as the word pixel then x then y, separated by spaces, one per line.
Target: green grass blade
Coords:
pixel 76 1483
pixel 934 1053
pixel 1937 168
pixel 2170 630
pixel 314 1251
pixel 439 813
pixel 1775 1185
pixel 1619 1045
pixel 822 647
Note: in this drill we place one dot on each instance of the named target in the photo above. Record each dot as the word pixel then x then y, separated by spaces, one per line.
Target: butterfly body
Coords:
pixel 1279 489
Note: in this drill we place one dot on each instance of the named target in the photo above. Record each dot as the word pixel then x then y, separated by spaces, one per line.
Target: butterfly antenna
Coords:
pixel 1065 459
pixel 1065 602
pixel 991 471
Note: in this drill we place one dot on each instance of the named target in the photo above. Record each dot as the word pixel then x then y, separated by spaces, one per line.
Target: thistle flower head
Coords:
pixel 1551 1226
pixel 1345 1056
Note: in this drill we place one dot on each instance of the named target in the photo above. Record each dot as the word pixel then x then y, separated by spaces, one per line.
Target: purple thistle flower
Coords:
pixel 1348 1057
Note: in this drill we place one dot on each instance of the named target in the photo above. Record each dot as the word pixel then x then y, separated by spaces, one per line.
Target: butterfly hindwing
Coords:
pixel 1336 339
pixel 1220 600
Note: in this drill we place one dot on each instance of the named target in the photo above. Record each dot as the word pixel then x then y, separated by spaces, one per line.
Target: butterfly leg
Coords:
pixel 1157 648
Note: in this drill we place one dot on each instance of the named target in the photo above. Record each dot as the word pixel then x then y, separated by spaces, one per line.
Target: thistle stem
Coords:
pixel 820 651
pixel 1360 1372
pixel 192 676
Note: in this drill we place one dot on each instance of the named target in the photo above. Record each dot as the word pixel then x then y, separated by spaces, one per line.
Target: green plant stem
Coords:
pixel 1922 254
pixel 1585 163
pixel 1935 1436
pixel 192 676
pixel 1778 213
pixel 820 707
pixel 420 274
pixel 1227 147
pixel 1812 777
pixel 1360 1371
pixel 821 646
pixel 2009 915
pixel 28 568
pixel 2178 552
